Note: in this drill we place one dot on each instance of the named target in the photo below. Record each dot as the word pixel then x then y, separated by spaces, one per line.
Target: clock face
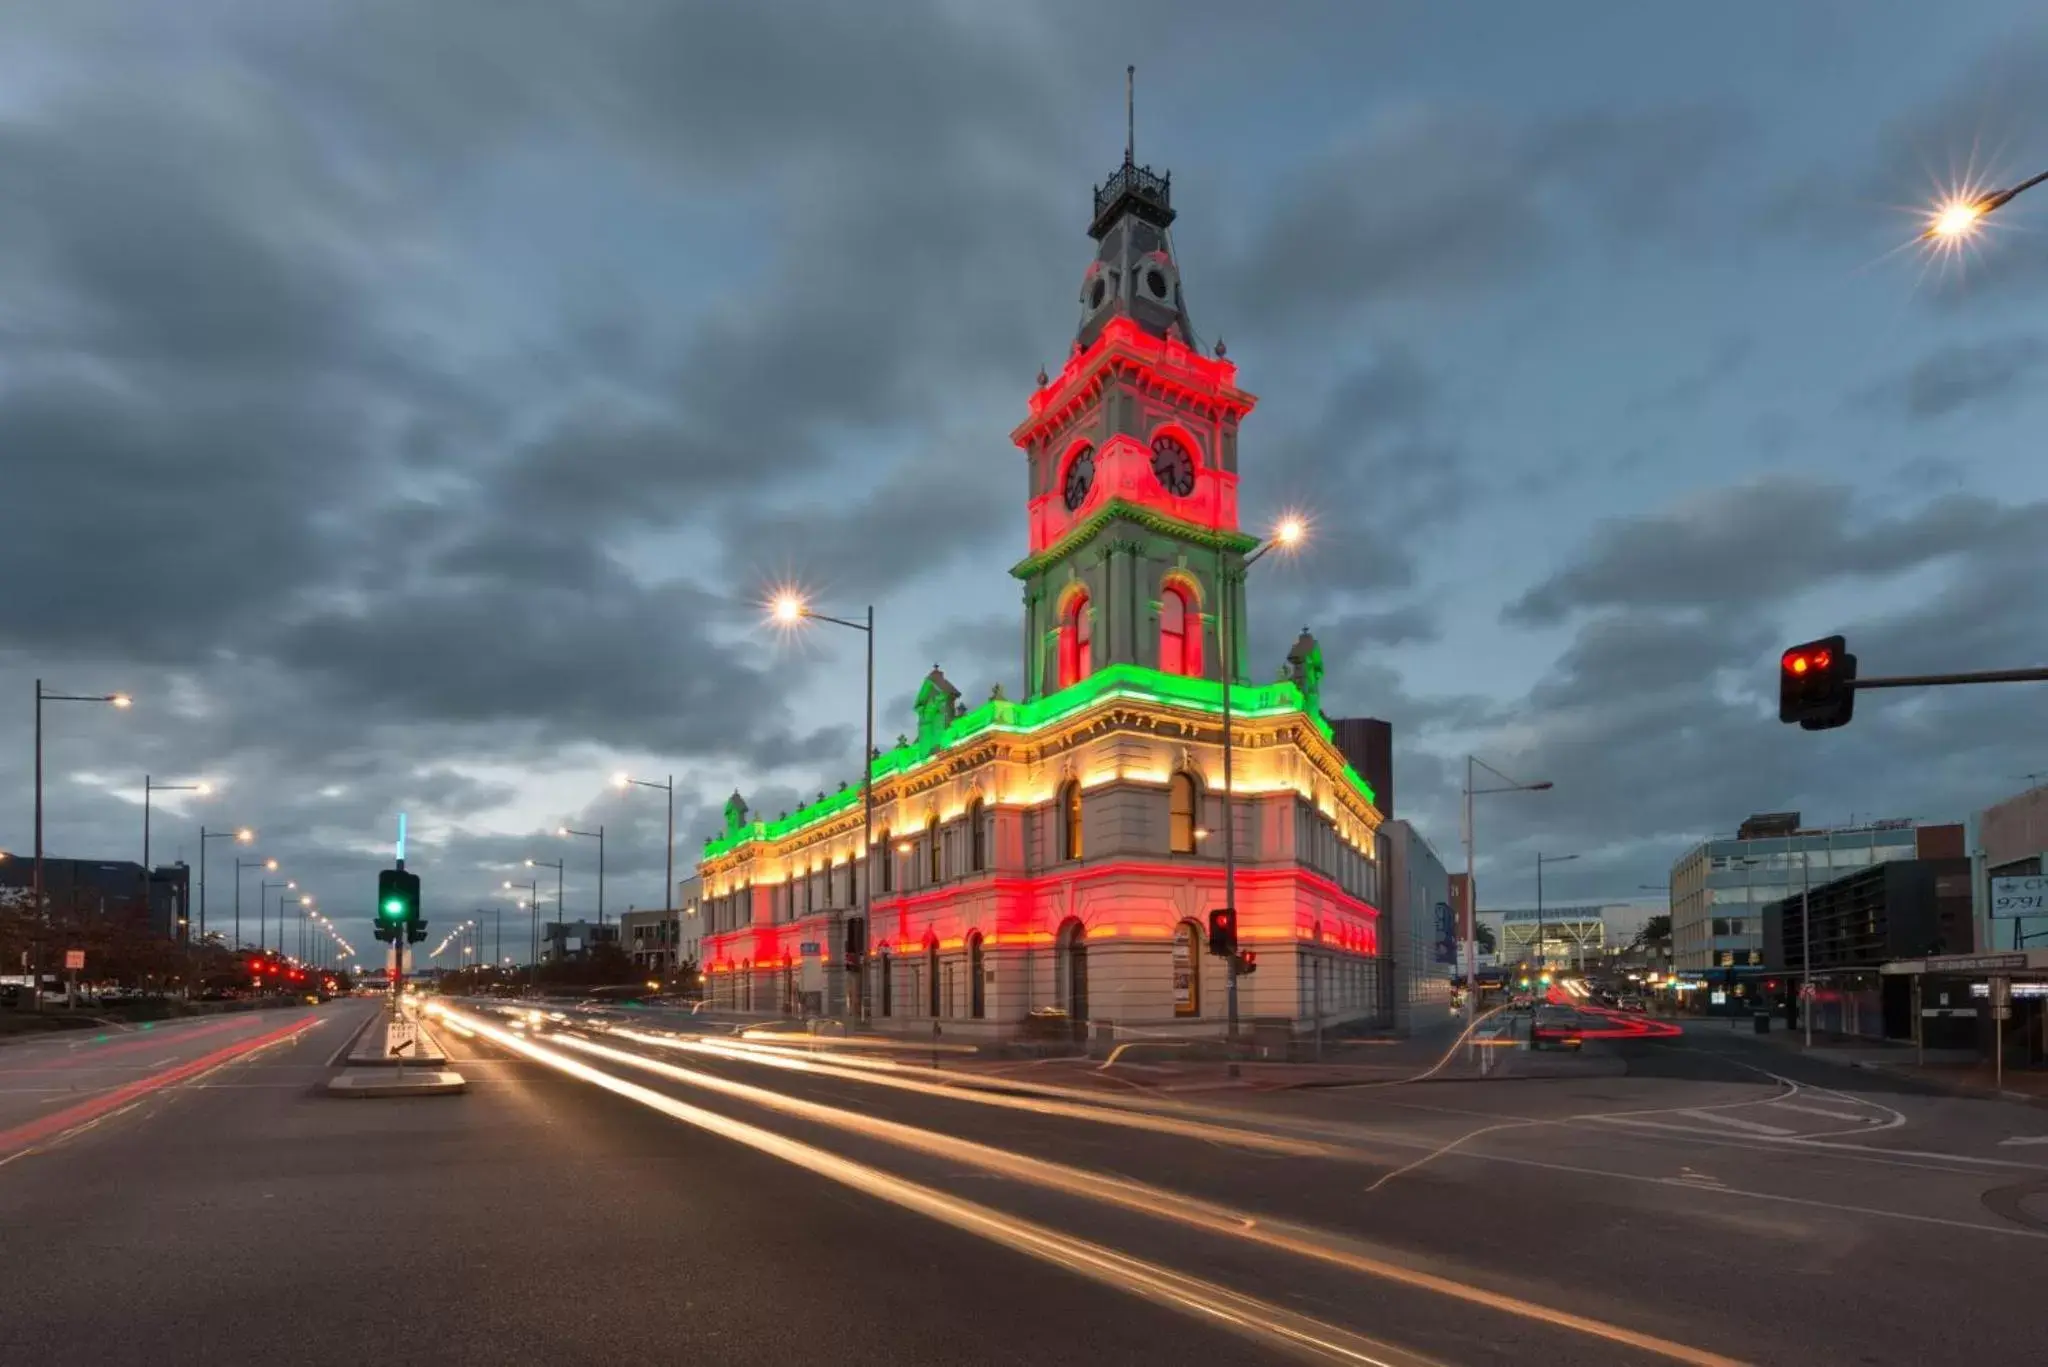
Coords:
pixel 1172 466
pixel 1080 475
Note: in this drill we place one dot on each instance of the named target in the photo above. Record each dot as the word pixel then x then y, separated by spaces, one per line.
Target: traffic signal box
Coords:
pixel 398 907
pixel 1814 684
pixel 1223 931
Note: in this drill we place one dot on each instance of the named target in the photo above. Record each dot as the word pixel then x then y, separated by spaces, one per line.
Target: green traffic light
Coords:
pixel 394 906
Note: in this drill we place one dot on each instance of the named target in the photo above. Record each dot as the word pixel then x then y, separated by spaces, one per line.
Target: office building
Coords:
pixel 1720 887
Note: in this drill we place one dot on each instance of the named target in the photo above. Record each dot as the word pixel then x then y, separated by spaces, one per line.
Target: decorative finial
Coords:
pixel 1042 380
pixel 1130 116
pixel 1221 350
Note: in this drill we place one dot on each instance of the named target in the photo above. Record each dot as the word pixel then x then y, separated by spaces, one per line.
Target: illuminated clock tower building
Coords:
pixel 1045 864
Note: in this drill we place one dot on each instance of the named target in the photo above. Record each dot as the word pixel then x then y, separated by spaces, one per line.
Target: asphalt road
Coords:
pixel 597 1195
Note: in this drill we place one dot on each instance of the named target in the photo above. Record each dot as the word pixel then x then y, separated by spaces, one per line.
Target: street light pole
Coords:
pixel 244 836
pixel 42 912
pixel 560 914
pixel 598 836
pixel 1287 535
pixel 668 886
pixel 242 866
pixel 789 608
pixel 1542 958
pixel 263 913
pixel 1471 885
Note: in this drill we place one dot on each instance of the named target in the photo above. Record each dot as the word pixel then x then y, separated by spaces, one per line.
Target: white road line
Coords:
pixel 1862 1117
pixel 1736 1122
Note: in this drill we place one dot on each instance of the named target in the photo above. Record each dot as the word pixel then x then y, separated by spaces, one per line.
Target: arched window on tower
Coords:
pixel 934 852
pixel 1077 653
pixel 1180 809
pixel 888 862
pixel 1070 820
pixel 1180 632
pixel 977 836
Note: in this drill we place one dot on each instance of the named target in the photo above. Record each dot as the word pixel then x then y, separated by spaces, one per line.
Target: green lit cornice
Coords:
pixel 1113 683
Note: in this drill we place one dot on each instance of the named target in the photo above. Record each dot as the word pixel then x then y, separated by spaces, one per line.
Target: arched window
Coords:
pixel 1187 969
pixel 1180 813
pixel 934 852
pixel 977 999
pixel 1180 632
pixel 886 971
pixel 852 896
pixel 977 836
pixel 931 970
pixel 1077 651
pixel 1070 820
pixel 881 852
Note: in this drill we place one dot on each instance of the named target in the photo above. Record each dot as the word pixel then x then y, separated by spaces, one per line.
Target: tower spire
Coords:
pixel 1130 116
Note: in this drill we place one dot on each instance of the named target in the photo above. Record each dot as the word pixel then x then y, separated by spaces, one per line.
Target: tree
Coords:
pixel 1655 934
pixel 1482 935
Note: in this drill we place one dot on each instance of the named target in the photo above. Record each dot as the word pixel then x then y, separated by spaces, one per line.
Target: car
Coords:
pixel 1633 1004
pixel 1555 1027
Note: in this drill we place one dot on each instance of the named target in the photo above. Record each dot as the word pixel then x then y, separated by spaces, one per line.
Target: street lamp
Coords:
pixel 790 610
pixel 1962 215
pixel 243 836
pixel 305 946
pixel 560 914
pixel 1542 959
pixel 598 836
pixel 263 911
pixel 242 866
pixel 1508 785
pixel 1288 534
pixel 150 785
pixel 668 885
pixel 41 912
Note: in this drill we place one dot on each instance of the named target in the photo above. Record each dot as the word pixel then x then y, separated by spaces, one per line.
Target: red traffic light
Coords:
pixel 1816 684
pixel 1223 931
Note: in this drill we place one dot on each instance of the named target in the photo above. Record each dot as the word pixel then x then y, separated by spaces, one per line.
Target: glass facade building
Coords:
pixel 1719 888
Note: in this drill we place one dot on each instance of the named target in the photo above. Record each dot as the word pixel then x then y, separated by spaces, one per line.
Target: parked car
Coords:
pixel 1555 1028
pixel 1634 1004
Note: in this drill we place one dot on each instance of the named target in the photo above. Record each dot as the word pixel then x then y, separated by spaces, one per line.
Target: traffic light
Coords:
pixel 1247 963
pixel 1814 684
pixel 1223 931
pixel 398 905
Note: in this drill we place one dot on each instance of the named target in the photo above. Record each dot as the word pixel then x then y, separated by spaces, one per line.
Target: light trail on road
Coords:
pixel 1283 1236
pixel 1206 1300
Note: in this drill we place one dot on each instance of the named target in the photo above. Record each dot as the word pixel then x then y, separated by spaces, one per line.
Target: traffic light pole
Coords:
pixel 1939 680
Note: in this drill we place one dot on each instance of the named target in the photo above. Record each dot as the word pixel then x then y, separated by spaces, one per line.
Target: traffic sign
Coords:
pixel 74 959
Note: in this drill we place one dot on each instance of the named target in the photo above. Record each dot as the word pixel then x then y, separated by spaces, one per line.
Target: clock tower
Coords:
pixel 1132 453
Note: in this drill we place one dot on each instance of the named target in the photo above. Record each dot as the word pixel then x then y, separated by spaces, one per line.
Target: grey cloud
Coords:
pixel 1437 201
pixel 1756 542
pixel 1960 376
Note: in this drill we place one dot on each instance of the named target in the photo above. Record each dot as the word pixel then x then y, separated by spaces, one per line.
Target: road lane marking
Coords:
pixel 1159 1202
pixel 2023 1139
pixel 1737 1122
pixel 1838 1116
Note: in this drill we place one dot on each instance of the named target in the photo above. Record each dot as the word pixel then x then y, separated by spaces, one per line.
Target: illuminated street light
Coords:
pixel 1288 534
pixel 788 609
pixel 1962 215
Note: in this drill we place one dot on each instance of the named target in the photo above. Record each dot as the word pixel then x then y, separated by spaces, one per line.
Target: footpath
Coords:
pixel 1963 1072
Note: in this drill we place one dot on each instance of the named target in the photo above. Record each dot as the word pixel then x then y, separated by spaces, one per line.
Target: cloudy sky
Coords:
pixel 411 404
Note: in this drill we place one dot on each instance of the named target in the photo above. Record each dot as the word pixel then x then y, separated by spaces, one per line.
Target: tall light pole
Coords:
pixel 41 911
pixel 533 911
pixel 1542 959
pixel 1287 535
pixel 498 928
pixel 598 836
pixel 305 905
pixel 668 877
pixel 263 912
pixel 150 785
pixel 244 836
pixel 1508 785
pixel 560 914
pixel 790 610
pixel 242 866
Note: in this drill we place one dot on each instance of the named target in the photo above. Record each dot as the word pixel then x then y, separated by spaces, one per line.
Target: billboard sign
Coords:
pixel 2013 898
pixel 1446 934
